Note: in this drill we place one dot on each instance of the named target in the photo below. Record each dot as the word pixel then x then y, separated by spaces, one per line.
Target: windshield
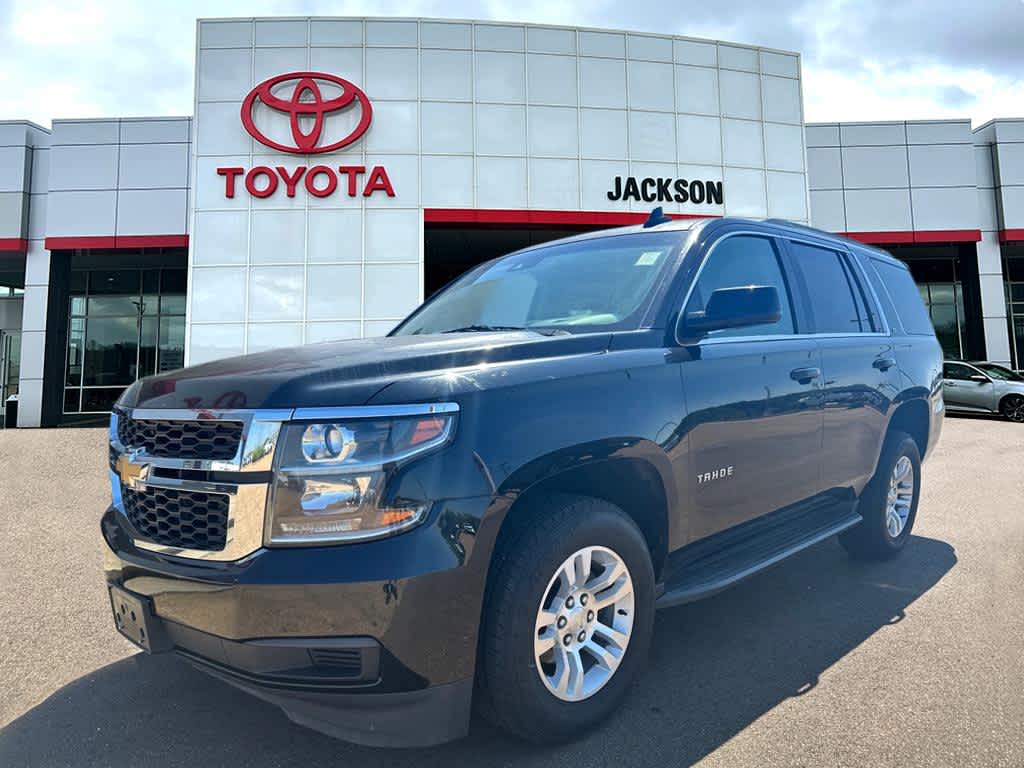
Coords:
pixel 999 372
pixel 599 284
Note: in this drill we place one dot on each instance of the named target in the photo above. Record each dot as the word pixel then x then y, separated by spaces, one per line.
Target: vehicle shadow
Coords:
pixel 715 667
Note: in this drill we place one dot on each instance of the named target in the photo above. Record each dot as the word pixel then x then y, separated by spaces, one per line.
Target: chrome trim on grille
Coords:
pixel 374 411
pixel 246 501
pixel 255 451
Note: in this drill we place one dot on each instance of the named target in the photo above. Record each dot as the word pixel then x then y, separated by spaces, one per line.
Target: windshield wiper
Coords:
pixel 468 328
pixel 486 328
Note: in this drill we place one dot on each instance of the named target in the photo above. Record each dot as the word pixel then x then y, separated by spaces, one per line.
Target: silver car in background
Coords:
pixel 983 388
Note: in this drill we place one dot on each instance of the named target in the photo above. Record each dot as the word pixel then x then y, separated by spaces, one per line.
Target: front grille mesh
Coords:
pixel 211 440
pixel 181 519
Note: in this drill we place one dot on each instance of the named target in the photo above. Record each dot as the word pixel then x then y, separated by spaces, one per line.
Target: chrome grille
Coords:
pixel 210 440
pixel 178 518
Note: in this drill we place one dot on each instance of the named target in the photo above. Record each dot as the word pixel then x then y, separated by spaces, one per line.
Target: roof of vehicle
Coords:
pixel 685 225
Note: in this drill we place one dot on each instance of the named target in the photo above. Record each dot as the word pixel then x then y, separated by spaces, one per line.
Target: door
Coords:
pixel 10 358
pixel 858 363
pixel 752 394
pixel 959 390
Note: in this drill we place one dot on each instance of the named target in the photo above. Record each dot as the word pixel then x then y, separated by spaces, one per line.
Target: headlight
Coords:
pixel 330 477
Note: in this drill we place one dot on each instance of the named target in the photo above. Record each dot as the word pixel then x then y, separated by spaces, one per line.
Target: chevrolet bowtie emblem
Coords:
pixel 131 474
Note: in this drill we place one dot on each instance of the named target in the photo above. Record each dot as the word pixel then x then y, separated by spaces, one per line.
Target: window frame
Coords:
pixel 853 270
pixel 785 267
pixel 965 365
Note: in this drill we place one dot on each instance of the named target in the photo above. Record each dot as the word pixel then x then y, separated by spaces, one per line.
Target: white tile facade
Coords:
pixel 466 115
pixel 926 177
pixel 24 160
pixel 999 168
pixel 119 177
pixel 892 177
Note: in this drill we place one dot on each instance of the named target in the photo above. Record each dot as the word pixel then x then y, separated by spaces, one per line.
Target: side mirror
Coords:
pixel 735 308
pixel 979 378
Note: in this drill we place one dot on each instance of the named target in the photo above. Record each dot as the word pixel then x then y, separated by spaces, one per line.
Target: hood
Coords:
pixel 343 373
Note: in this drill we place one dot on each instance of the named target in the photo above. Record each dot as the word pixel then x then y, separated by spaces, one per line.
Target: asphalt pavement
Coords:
pixel 821 661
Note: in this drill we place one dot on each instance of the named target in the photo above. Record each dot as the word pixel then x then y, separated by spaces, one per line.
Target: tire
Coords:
pixel 877 536
pixel 1012 408
pixel 517 687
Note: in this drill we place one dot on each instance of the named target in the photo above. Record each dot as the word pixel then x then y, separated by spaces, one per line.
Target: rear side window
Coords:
pixel 738 261
pixel 837 298
pixel 883 295
pixel 905 297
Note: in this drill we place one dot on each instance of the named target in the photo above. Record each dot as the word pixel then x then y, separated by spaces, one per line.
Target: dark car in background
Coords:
pixel 485 508
pixel 982 387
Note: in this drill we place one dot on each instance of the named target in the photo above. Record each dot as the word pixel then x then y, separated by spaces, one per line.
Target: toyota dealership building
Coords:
pixel 336 172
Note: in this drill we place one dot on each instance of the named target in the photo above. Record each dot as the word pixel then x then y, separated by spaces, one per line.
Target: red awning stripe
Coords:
pixel 495 216
pixel 920 236
pixel 13 244
pixel 119 242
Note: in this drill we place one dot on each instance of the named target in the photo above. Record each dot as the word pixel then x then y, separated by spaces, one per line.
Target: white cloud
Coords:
pixel 874 59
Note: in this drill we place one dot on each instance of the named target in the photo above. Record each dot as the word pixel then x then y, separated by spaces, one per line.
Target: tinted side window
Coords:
pixel 905 297
pixel 837 299
pixel 957 371
pixel 738 261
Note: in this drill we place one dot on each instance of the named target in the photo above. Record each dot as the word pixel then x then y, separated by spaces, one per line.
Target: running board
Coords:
pixel 719 569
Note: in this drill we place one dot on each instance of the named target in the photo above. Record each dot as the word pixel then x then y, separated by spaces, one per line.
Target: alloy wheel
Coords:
pixel 1013 409
pixel 584 623
pixel 900 498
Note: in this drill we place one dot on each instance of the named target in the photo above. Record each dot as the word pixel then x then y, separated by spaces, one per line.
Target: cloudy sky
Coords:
pixel 862 59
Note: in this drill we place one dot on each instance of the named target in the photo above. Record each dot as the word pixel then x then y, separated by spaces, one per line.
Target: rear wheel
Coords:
pixel 1012 408
pixel 568 620
pixel 889 502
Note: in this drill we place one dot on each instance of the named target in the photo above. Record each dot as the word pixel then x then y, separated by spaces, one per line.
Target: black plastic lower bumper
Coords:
pixel 420 718
pixel 326 684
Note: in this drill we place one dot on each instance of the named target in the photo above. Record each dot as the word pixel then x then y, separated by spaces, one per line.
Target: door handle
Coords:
pixel 805 375
pixel 884 363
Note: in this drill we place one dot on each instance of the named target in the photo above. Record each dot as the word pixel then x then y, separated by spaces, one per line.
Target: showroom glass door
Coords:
pixel 123 324
pixel 10 363
pixel 1014 272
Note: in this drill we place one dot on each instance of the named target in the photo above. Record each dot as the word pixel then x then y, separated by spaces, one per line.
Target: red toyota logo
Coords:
pixel 306 101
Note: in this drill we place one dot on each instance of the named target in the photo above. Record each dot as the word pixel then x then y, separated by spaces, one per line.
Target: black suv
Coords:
pixel 485 508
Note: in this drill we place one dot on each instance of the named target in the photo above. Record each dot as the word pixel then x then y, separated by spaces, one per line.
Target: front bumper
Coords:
pixel 372 642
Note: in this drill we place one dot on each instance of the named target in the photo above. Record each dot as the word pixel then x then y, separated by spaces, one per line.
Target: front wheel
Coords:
pixel 568 620
pixel 1012 408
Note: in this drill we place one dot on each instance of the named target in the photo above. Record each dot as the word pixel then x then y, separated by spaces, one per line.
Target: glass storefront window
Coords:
pixel 1013 269
pixel 939 284
pixel 10 365
pixel 125 324
pixel 99 400
pixel 76 351
pixel 111 351
pixel 172 344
